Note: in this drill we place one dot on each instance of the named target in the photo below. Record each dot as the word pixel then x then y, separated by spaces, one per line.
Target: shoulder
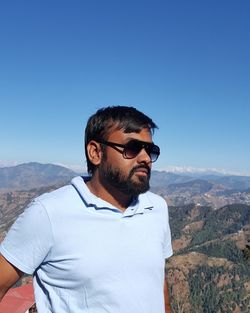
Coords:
pixel 57 195
pixel 58 199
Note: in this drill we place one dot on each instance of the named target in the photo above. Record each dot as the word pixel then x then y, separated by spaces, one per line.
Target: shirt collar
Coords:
pixel 137 206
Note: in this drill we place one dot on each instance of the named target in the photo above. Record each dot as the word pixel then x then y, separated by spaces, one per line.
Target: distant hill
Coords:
pixel 211 190
pixel 163 178
pixel 196 186
pixel 233 182
pixel 209 271
pixel 33 175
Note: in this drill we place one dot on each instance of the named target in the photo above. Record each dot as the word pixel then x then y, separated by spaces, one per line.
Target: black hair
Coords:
pixel 126 118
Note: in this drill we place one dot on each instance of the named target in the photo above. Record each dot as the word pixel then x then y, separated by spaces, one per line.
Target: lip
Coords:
pixel 142 171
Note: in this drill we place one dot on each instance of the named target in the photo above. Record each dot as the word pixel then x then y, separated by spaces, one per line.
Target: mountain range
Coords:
pixel 34 175
pixel 160 178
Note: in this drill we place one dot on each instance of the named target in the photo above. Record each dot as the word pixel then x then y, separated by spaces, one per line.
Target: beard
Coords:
pixel 126 184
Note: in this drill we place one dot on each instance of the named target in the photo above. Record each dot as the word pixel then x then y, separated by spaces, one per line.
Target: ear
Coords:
pixel 94 152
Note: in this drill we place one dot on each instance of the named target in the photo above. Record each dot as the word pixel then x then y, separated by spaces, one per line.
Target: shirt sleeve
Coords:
pixel 167 248
pixel 29 240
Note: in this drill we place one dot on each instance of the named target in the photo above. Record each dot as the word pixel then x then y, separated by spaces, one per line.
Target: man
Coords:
pixel 99 244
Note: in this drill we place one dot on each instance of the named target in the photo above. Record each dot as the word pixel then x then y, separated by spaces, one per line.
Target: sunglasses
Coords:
pixel 132 148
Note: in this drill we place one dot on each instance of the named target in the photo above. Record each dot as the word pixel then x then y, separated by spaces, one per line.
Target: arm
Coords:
pixel 166 298
pixel 9 274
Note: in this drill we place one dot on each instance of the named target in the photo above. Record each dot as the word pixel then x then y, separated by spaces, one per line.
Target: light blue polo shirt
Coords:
pixel 88 256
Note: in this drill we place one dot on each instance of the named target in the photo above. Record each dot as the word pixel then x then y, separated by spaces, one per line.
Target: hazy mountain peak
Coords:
pixel 33 175
pixel 198 171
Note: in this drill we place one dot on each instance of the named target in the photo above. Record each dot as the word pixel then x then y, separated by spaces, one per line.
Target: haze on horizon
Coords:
pixel 170 168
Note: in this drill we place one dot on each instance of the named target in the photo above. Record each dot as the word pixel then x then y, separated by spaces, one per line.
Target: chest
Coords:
pixel 96 247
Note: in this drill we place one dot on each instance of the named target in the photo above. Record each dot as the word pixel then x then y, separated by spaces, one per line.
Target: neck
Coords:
pixel 109 193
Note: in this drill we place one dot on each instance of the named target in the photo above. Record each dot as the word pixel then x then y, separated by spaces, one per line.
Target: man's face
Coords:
pixel 130 176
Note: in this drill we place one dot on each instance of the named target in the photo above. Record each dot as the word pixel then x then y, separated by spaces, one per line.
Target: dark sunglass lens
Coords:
pixel 132 148
pixel 154 152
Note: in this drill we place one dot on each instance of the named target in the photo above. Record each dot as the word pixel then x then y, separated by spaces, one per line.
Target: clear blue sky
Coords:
pixel 184 63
